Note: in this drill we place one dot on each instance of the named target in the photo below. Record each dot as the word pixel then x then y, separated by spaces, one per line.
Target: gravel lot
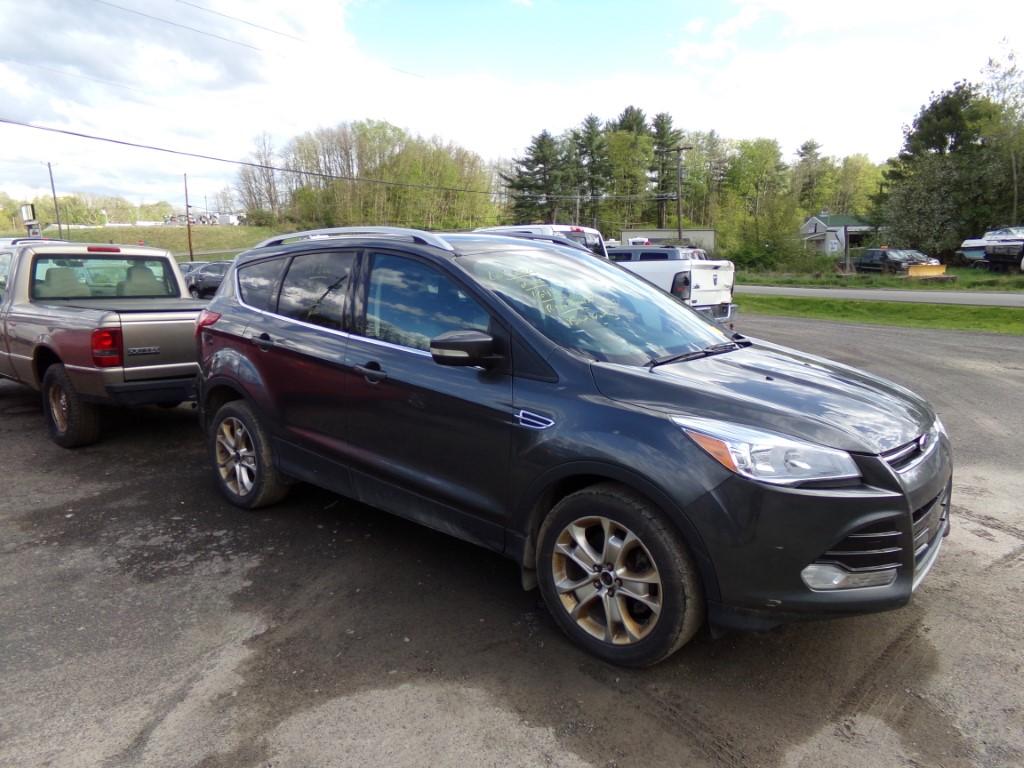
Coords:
pixel 146 622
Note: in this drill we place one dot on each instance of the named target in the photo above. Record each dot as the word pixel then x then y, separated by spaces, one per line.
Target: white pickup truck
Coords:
pixel 686 273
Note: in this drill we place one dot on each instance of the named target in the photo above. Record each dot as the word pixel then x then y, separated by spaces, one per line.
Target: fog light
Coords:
pixel 826 577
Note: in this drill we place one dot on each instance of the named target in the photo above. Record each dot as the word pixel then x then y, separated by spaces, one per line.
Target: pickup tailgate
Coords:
pixel 711 283
pixel 159 343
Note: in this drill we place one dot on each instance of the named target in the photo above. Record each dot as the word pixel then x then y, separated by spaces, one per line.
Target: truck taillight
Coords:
pixel 107 348
pixel 206 318
pixel 681 285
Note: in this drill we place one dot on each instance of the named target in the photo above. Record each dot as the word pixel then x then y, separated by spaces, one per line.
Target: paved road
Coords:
pixel 976 298
pixel 148 623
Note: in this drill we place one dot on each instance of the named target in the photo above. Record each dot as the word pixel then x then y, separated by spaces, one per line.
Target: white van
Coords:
pixel 585 236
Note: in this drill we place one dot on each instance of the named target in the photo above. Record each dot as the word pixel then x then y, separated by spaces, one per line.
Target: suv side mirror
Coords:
pixel 466 347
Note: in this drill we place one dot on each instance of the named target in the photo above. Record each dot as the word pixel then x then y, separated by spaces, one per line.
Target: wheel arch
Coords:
pixel 43 358
pixel 215 394
pixel 569 478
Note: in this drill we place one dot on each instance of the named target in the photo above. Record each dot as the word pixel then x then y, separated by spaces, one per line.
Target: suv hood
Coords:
pixel 779 389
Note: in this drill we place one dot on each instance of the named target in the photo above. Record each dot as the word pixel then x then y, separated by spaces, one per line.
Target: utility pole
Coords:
pixel 679 186
pixel 188 221
pixel 56 208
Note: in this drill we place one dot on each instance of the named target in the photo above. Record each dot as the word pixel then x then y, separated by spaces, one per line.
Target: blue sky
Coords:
pixel 574 38
pixel 488 75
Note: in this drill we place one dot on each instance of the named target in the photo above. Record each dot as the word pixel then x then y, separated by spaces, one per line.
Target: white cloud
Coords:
pixel 849 77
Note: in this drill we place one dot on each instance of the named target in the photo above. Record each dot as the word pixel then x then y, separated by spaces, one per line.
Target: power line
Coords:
pixel 314 174
pixel 75 74
pixel 246 163
pixel 176 24
pixel 243 21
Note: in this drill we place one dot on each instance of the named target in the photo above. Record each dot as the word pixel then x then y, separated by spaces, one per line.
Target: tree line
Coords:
pixel 94 210
pixel 367 172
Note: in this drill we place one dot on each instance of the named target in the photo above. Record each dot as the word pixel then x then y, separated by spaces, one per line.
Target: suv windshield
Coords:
pixel 70 277
pixel 590 306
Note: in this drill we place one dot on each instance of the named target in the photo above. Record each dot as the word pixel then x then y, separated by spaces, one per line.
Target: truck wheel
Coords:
pixel 71 421
pixel 242 459
pixel 617 576
pixel 193 292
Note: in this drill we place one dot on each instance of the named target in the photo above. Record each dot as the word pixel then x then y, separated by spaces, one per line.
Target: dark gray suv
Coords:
pixel 647 470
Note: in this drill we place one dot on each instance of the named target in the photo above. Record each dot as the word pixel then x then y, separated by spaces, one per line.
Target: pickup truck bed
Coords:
pixel 89 325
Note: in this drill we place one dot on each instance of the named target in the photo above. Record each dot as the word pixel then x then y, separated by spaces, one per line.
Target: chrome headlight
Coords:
pixel 767 457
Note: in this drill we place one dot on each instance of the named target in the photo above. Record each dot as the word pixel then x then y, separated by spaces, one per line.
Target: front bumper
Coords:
pixel 760 538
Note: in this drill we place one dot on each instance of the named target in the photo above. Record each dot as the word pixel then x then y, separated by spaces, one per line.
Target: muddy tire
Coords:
pixel 71 421
pixel 242 459
pixel 617 576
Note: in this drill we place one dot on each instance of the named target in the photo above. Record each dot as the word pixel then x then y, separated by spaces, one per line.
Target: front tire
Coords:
pixel 242 458
pixel 193 292
pixel 617 577
pixel 71 421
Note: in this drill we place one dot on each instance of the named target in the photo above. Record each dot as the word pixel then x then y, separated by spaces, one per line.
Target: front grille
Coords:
pixel 870 548
pixel 929 523
pixel 904 455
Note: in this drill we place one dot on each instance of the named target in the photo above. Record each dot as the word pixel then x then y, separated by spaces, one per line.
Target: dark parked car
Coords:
pixel 204 281
pixel 884 261
pixel 646 470
pixel 189 266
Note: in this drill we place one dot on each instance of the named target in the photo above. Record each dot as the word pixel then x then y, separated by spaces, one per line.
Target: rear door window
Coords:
pixel 409 303
pixel 258 283
pixel 315 287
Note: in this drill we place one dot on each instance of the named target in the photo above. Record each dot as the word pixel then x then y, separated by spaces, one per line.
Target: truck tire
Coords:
pixel 242 459
pixel 71 421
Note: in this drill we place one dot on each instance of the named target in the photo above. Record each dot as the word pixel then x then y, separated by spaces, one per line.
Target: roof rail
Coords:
pixel 416 235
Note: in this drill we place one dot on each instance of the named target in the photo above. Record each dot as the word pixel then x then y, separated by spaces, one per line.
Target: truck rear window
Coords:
pixel 98 277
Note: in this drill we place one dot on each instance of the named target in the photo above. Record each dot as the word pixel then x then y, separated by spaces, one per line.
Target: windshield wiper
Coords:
pixel 714 349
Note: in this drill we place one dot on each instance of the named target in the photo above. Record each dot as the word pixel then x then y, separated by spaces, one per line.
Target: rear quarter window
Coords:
pixel 258 283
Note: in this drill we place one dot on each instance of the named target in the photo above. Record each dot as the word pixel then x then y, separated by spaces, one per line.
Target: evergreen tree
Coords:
pixel 592 151
pixel 632 120
pixel 666 138
pixel 537 182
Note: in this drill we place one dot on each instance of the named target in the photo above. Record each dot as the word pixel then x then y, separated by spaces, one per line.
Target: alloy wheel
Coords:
pixel 606 580
pixel 59 408
pixel 236 457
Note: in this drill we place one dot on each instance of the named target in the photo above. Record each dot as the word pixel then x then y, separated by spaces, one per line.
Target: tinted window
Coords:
pixel 409 303
pixel 215 269
pixel 314 289
pixel 653 256
pixel 258 283
pixel 620 255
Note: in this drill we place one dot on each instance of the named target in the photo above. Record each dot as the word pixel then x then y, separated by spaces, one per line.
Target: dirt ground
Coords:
pixel 145 622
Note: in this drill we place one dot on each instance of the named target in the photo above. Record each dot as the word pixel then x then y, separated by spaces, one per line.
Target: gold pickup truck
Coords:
pixel 88 325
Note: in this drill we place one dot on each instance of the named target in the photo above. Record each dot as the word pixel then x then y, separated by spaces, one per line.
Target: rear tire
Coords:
pixel 193 292
pixel 242 459
pixel 71 421
pixel 617 577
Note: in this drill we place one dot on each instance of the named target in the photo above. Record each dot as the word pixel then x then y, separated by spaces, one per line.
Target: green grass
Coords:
pixel 223 239
pixel 910 315
pixel 967 279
